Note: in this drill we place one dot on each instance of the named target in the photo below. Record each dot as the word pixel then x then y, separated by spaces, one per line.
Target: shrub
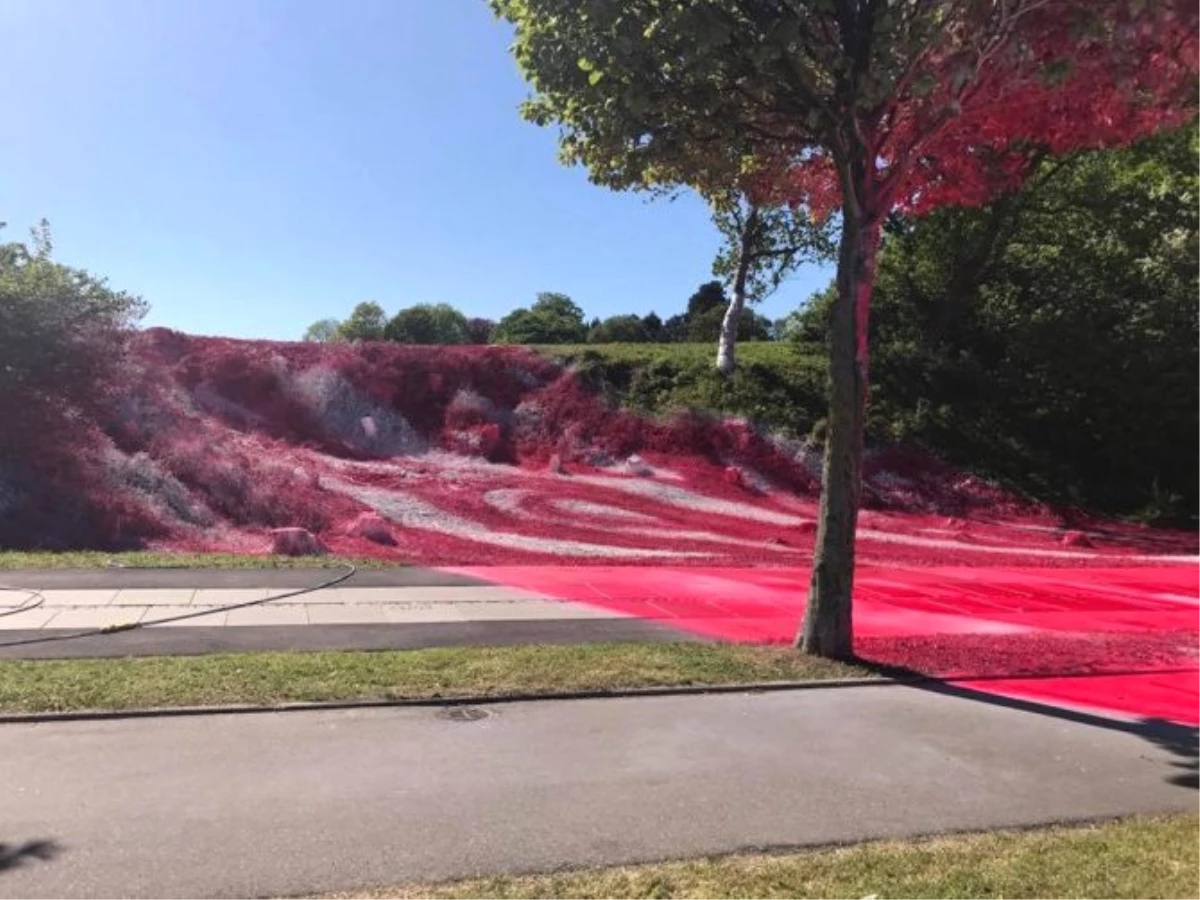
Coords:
pixel 63 365
pixel 63 336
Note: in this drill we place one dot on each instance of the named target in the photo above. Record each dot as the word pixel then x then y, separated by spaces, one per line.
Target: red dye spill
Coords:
pixel 1123 640
pixel 495 455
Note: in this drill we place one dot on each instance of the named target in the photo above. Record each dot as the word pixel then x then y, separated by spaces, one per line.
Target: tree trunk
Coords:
pixel 828 622
pixel 727 341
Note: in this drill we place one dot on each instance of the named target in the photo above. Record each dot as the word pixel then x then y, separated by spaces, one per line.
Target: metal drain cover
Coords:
pixel 463 713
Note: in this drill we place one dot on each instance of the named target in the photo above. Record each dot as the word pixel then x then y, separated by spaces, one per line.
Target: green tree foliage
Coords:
pixel 653 325
pixel 705 311
pixel 706 298
pixel 1050 337
pixel 62 334
pixel 553 319
pixel 479 331
pixel 366 323
pixel 706 326
pixel 809 324
pixel 674 330
pixel 428 323
pixel 860 107
pixel 619 330
pixel 761 246
pixel 323 331
pixel 63 367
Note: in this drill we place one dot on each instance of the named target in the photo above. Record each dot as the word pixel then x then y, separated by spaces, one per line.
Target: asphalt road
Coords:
pixel 288 803
pixel 200 640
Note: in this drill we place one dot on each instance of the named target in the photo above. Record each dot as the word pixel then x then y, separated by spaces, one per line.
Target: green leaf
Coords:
pixel 586 64
pixel 594 77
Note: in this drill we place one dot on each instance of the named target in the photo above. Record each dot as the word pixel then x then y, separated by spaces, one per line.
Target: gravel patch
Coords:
pixel 685 499
pixel 410 512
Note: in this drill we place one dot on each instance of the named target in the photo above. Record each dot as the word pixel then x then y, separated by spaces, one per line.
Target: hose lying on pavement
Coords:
pixel 349 570
pixel 33 602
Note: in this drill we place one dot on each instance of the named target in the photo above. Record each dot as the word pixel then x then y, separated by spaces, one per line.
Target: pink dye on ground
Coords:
pixel 1119 640
pixel 497 456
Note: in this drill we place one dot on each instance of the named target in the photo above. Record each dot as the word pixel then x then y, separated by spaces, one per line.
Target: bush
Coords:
pixel 780 386
pixel 62 340
pixel 63 367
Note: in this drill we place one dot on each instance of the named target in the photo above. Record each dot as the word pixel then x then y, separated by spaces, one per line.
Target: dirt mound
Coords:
pixel 481 454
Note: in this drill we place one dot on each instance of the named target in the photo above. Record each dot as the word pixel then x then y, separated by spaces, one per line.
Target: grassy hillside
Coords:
pixel 776 384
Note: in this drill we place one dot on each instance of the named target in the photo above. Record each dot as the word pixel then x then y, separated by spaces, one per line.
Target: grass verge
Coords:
pixel 28 686
pixel 157 559
pixel 1147 857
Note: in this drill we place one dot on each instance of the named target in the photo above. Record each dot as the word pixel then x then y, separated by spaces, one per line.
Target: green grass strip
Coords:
pixel 28 686
pixel 1149 857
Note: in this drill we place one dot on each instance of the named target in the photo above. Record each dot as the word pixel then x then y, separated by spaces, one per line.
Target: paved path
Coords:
pixel 101 608
pixel 374 610
pixel 100 577
pixel 274 804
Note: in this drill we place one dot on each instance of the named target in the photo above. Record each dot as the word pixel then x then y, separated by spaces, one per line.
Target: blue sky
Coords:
pixel 249 166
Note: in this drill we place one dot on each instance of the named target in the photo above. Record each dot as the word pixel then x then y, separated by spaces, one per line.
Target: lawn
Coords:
pixel 28 686
pixel 162 559
pixel 1149 857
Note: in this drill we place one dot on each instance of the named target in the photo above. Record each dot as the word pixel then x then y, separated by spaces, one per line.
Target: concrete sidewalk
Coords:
pixel 107 607
pixel 277 804
pixel 374 610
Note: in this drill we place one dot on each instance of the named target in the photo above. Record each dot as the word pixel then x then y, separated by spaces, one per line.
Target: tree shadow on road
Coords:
pixel 1182 742
pixel 14 855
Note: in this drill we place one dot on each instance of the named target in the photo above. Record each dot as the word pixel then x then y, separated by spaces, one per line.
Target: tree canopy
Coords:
pixel 1050 337
pixel 627 329
pixel 427 323
pixel 479 331
pixel 365 323
pixel 865 107
pixel 553 319
pixel 323 331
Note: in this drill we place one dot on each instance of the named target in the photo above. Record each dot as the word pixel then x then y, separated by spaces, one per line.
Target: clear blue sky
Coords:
pixel 249 166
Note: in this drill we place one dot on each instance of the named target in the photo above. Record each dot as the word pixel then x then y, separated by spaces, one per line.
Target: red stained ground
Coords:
pixel 1118 640
pixel 497 457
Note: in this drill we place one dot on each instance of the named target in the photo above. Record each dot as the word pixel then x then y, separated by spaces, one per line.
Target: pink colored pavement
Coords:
pixel 1121 640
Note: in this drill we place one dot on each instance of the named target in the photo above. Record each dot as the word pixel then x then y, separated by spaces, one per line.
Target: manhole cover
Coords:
pixel 463 713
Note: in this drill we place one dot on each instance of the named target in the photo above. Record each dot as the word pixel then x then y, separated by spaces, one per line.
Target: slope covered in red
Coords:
pixel 492 455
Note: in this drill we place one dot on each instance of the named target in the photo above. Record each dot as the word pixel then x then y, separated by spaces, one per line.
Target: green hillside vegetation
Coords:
pixel 777 384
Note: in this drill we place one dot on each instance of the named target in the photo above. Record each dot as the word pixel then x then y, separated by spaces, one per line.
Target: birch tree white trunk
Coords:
pixel 727 340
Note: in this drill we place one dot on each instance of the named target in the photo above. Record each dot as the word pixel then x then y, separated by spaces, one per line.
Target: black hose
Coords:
pixel 115 629
pixel 35 600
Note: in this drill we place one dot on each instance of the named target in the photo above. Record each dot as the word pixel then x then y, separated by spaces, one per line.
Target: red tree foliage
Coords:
pixel 968 119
